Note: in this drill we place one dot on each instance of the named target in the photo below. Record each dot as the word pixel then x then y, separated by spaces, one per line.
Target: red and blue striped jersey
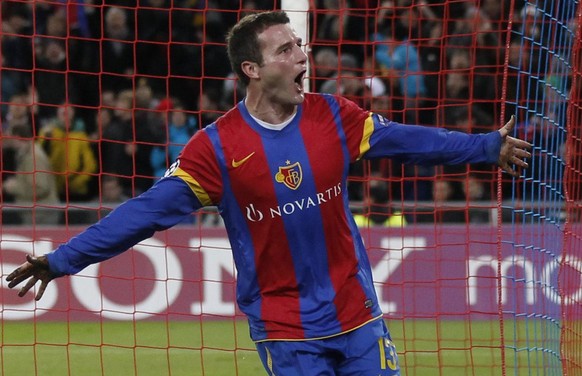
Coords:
pixel 303 271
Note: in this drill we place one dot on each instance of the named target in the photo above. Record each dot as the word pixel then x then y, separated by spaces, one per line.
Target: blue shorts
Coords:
pixel 365 351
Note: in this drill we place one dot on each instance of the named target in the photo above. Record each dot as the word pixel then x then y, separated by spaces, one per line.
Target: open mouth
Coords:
pixel 299 80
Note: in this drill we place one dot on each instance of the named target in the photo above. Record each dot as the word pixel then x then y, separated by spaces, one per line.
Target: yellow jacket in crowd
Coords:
pixel 71 157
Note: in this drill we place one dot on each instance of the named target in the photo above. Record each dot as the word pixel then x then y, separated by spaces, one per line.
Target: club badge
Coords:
pixel 290 175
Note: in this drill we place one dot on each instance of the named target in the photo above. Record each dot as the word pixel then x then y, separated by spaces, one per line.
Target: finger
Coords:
pixel 18 276
pixel 519 162
pixel 31 282
pixel 508 127
pixel 33 260
pixel 16 272
pixel 507 168
pixel 517 142
pixel 512 172
pixel 522 153
pixel 40 292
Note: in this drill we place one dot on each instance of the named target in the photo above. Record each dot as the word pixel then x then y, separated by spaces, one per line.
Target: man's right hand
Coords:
pixel 35 269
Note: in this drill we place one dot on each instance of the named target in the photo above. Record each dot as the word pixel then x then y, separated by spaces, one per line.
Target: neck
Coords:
pixel 263 108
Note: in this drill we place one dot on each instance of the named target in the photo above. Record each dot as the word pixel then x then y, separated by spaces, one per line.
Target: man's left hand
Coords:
pixel 513 150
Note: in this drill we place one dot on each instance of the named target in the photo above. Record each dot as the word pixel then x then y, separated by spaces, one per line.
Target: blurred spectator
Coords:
pixel 67 22
pixel 67 145
pixel 116 145
pixel 431 60
pixel 211 106
pixel 16 39
pixel 110 196
pixel 59 57
pixel 233 91
pixel 189 24
pixel 474 191
pixel 408 20
pixel 147 132
pixel 474 188
pixel 111 190
pixel 180 128
pixel 52 21
pixel 457 88
pixel 103 117
pixel 457 81
pixel 108 98
pixel 51 79
pixel 407 28
pixel 380 101
pixel 11 82
pixel 153 35
pixel 94 117
pixel 338 23
pixel 170 35
pixel 474 31
pixel 348 82
pixel 444 191
pixel 33 183
pixel 144 95
pixel 469 119
pixel 371 93
pixel 18 116
pixel 474 34
pixel 127 139
pixel 497 12
pixel 401 59
pixel 325 66
pixel 117 53
pixel 518 89
pixel 528 22
pixel 213 58
pixel 375 207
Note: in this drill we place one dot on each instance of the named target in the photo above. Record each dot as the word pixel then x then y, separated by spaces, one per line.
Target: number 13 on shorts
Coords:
pixel 388 357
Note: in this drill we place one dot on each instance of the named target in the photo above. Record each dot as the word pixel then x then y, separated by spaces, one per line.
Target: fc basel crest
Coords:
pixel 290 175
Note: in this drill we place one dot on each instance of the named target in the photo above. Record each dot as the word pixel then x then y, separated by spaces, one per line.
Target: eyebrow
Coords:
pixel 289 44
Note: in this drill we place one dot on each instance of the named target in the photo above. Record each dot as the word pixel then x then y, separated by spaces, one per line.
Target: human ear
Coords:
pixel 250 69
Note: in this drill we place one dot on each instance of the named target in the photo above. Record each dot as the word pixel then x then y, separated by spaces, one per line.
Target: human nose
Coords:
pixel 301 55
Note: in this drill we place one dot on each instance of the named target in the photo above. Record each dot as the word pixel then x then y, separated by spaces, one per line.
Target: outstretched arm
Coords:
pixel 167 203
pixel 424 145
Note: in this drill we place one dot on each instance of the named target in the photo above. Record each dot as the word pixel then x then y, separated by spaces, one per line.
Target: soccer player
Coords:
pixel 276 167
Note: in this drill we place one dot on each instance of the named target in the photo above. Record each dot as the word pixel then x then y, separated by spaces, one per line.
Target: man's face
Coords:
pixel 66 113
pixel 284 65
pixel 17 108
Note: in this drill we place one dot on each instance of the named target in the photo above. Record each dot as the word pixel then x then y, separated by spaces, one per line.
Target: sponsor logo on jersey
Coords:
pixel 236 164
pixel 253 214
pixel 256 214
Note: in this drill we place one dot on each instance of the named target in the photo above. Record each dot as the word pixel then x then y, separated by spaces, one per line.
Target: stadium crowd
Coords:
pixel 98 97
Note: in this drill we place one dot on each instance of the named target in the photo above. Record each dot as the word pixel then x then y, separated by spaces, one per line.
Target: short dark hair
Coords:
pixel 243 43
